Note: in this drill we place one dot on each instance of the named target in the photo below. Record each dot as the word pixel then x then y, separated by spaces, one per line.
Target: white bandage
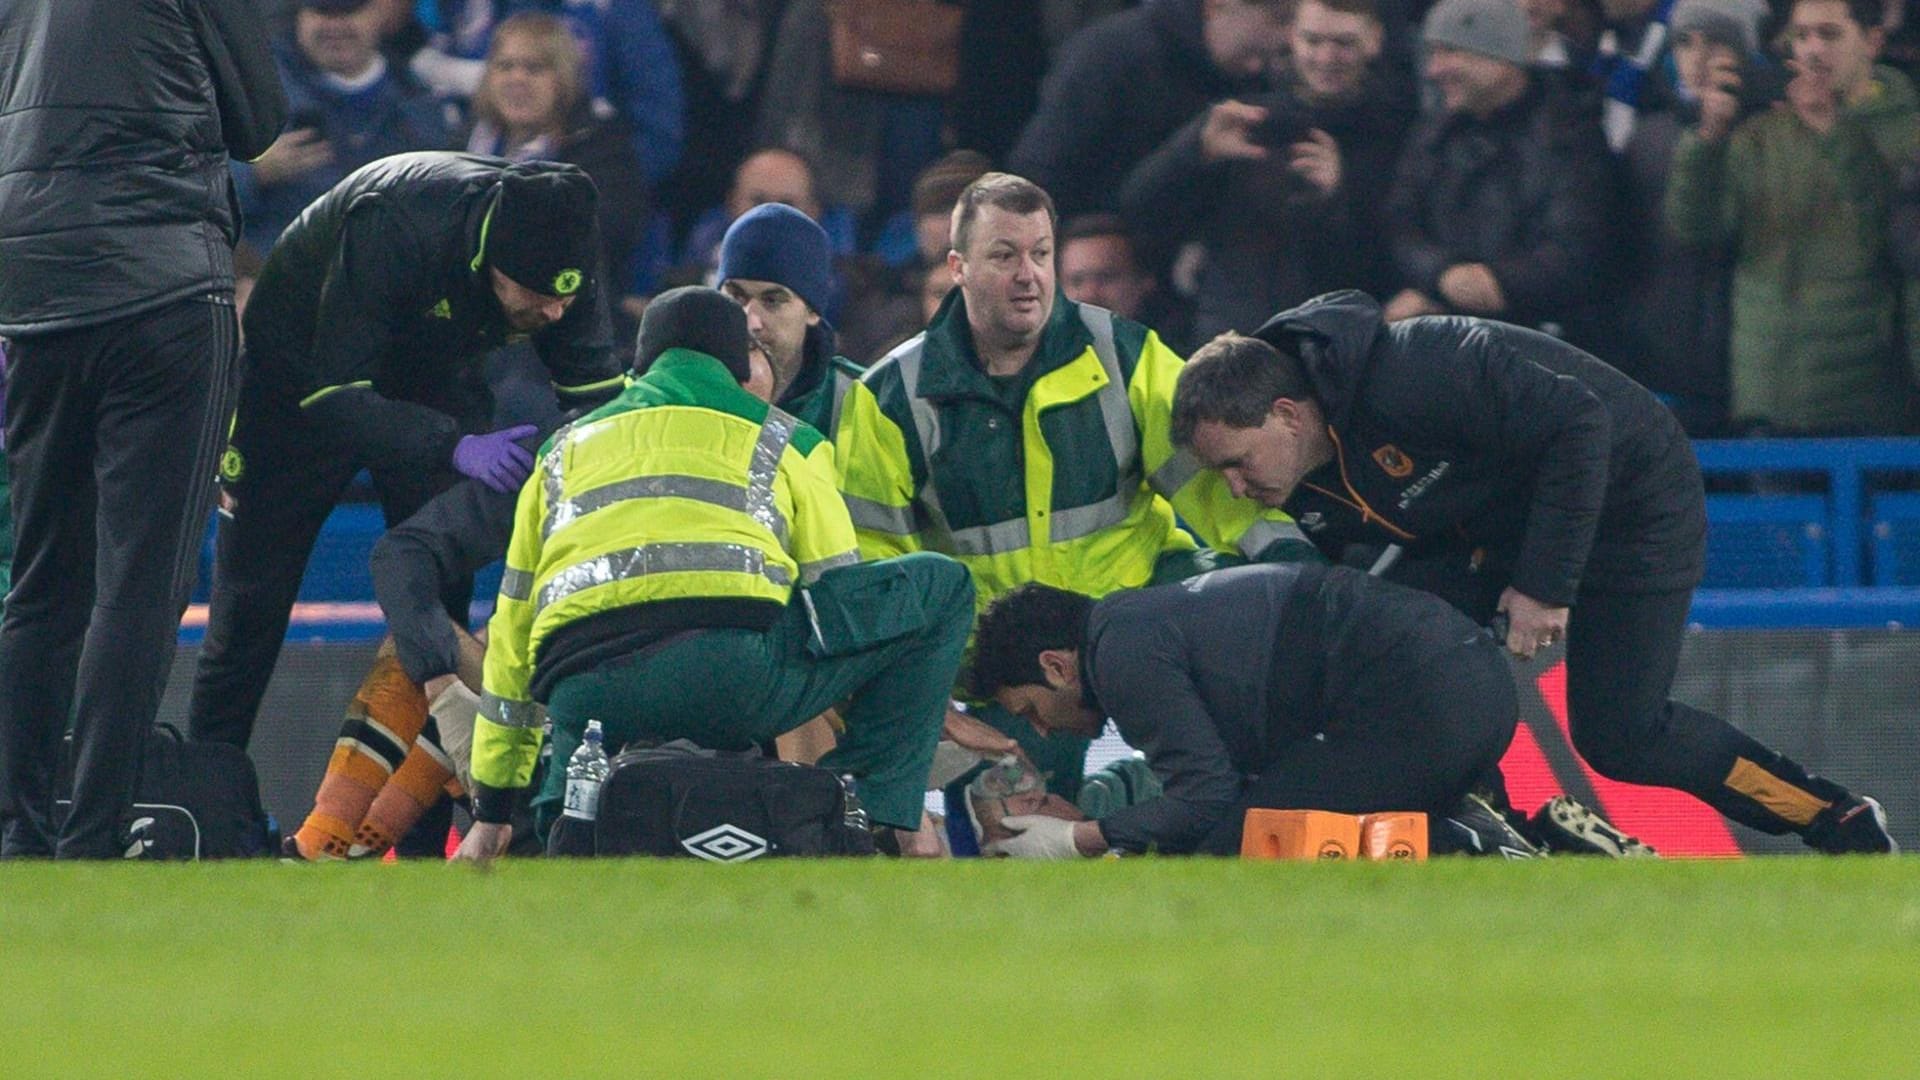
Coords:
pixel 453 712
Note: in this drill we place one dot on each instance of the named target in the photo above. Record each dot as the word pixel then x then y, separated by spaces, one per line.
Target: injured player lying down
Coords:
pixel 1276 686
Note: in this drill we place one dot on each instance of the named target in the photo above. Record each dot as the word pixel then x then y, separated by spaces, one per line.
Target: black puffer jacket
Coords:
pixel 377 304
pixel 1530 191
pixel 1120 88
pixel 116 119
pixel 1455 432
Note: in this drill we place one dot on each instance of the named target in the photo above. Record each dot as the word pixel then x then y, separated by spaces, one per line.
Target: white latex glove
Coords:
pixel 484 842
pixel 453 710
pixel 1037 836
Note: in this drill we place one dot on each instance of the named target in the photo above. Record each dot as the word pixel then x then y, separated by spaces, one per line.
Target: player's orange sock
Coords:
pixel 382 724
pixel 417 784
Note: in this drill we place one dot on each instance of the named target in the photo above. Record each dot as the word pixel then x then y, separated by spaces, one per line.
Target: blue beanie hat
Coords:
pixel 774 242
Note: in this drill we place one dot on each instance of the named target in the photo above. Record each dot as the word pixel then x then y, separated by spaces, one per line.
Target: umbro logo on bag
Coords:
pixel 137 839
pixel 726 843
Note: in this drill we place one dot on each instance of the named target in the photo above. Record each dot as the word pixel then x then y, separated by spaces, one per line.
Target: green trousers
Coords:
pixel 6 528
pixel 889 635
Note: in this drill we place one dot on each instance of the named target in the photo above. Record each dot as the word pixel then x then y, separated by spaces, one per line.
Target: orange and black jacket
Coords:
pixel 1470 434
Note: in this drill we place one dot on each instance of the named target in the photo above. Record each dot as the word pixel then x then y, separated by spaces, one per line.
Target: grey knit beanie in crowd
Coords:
pixel 1734 23
pixel 1496 28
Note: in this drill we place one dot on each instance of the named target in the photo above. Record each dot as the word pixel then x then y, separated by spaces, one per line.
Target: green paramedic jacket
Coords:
pixel 684 503
pixel 1065 476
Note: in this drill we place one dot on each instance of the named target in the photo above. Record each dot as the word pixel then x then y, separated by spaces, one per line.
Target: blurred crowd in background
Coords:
pixel 1719 197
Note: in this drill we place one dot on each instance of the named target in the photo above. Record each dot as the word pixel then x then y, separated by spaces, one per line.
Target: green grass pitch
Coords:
pixel 1783 967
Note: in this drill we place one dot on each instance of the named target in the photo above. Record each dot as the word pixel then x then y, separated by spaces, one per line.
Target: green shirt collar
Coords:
pixel 951 367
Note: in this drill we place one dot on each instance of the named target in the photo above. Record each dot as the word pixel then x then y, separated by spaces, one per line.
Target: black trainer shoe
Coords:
pixel 1566 826
pixel 1855 824
pixel 1476 828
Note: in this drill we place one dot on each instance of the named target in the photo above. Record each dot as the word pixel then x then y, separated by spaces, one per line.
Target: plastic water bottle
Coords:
pixel 856 813
pixel 586 770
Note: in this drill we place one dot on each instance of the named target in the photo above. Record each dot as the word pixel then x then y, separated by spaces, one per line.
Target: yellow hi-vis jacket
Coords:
pixel 683 503
pixel 1065 474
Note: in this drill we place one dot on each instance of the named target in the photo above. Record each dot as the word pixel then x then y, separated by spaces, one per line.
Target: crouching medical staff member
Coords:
pixel 682 566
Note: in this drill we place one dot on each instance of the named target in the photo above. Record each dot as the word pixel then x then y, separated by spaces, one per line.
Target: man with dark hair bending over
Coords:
pixel 1282 686
pixel 1526 477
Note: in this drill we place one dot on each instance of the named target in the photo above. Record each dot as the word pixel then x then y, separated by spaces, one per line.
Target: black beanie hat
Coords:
pixel 541 231
pixel 698 318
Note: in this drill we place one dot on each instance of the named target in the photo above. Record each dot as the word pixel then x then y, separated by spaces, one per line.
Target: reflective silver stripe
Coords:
pixel 1261 534
pixel 996 539
pixel 1086 520
pixel 755 499
pixel 630 563
pixel 552 468
pixel 508 712
pixel 867 514
pixel 1114 407
pixel 926 425
pixel 516 584
pixel 1015 535
pixel 1179 469
pixel 926 421
pixel 698 488
pixel 1386 560
pixel 810 571
pixel 776 431
pixel 842 382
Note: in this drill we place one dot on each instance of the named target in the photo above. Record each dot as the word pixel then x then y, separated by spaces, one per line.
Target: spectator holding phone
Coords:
pixel 1502 204
pixel 1282 190
pixel 1801 194
pixel 346 106
pixel 1675 317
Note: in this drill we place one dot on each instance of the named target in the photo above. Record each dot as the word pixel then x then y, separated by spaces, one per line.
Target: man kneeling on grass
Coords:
pixel 1276 686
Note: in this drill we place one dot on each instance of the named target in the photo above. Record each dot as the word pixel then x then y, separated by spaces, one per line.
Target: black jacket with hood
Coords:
pixel 1529 191
pixel 1462 433
pixel 376 306
pixel 116 120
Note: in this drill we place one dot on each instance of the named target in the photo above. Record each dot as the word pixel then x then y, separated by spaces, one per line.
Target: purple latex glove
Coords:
pixel 496 459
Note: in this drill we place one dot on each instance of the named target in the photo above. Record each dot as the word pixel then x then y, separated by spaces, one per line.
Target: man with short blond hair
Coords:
pixel 1027 436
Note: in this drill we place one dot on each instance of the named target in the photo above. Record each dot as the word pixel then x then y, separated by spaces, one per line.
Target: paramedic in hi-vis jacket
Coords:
pixel 1025 435
pixel 682 566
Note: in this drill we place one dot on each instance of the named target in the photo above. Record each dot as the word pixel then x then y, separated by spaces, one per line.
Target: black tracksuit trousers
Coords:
pixel 1623 649
pixel 1416 727
pixel 1622 652
pixel 113 432
pixel 288 479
